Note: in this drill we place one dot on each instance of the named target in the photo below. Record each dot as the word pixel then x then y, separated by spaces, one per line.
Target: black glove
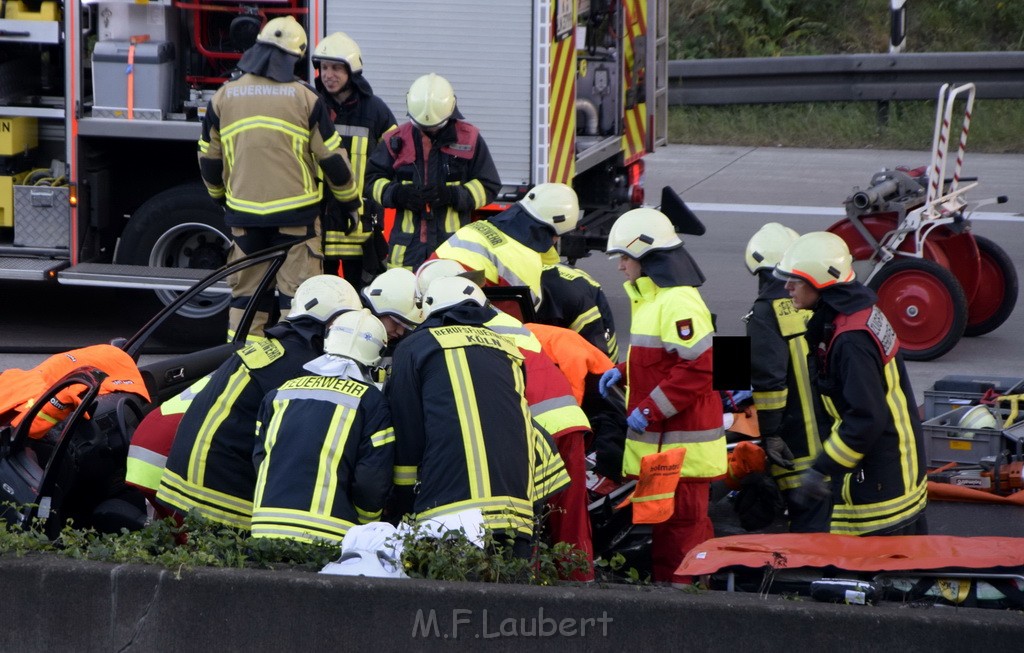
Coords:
pixel 814 486
pixel 444 196
pixel 343 216
pixel 408 196
pixel 778 451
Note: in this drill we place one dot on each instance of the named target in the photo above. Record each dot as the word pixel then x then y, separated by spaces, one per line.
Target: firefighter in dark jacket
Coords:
pixel 210 465
pixel 790 417
pixel 266 138
pixel 875 454
pixel 435 170
pixel 463 431
pixel 362 120
pixel 325 446
pixel 575 300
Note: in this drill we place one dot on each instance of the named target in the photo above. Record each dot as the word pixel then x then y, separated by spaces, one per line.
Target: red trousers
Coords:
pixel 569 520
pixel 688 526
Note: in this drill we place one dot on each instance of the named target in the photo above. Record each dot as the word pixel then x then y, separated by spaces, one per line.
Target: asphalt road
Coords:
pixel 733 190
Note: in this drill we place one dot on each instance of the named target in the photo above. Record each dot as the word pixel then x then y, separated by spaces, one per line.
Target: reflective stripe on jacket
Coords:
pixel 325 453
pixel 457 157
pixel 463 433
pixel 210 466
pixel 576 301
pixel 876 446
pixel 362 121
pixel 668 377
pixel 788 403
pixel 504 260
pixel 262 148
pixel 548 393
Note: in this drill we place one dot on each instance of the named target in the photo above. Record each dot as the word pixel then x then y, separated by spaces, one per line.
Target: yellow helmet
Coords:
pixel 430 100
pixel 446 292
pixel 394 293
pixel 638 232
pixel 820 258
pixel 978 417
pixel 555 205
pixel 357 335
pixel 286 34
pixel 765 248
pixel 322 297
pixel 339 46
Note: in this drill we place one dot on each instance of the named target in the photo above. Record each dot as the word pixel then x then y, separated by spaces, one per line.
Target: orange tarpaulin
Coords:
pixel 851 553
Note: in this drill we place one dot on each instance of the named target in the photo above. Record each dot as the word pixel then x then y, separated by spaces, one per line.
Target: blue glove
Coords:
pixel 637 421
pixel 608 379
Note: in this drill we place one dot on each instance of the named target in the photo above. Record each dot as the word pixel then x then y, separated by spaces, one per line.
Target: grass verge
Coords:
pixel 997 126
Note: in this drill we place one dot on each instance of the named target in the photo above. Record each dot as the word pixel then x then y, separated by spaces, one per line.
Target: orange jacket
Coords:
pixel 572 353
pixel 19 389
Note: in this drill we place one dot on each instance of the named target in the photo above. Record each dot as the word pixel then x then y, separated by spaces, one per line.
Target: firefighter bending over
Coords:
pixel 210 464
pixel 463 431
pixel 325 446
pixel 511 248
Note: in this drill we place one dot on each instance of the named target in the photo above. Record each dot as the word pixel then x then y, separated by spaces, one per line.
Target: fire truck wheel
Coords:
pixel 181 227
pixel 925 305
pixel 996 296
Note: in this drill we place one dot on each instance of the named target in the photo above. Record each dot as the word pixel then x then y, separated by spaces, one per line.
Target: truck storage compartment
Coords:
pixel 151 76
pixel 43 217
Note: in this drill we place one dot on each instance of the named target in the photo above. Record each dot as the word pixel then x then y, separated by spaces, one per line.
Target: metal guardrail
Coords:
pixel 843 78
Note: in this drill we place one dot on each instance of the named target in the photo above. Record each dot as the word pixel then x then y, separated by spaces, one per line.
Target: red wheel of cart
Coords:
pixel 997 291
pixel 925 305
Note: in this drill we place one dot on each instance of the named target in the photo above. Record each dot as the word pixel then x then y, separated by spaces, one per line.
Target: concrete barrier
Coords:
pixel 52 604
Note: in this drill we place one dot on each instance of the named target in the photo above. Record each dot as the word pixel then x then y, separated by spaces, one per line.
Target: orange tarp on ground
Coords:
pixel 948 492
pixel 851 553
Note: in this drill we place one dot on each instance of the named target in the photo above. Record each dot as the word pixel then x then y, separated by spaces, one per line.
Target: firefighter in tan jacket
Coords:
pixel 264 136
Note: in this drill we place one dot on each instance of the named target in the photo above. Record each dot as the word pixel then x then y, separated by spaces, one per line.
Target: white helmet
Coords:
pixel 554 205
pixel 438 268
pixel 322 297
pixel 430 100
pixel 446 292
pixel 373 549
pixel 394 293
pixel 638 232
pixel 765 248
pixel 284 33
pixel 820 258
pixel 339 46
pixel 357 335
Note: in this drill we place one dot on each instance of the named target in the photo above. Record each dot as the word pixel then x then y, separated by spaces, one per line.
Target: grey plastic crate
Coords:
pixel 42 217
pixel 958 390
pixel 946 442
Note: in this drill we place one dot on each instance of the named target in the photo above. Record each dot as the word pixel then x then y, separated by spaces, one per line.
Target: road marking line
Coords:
pixel 776 209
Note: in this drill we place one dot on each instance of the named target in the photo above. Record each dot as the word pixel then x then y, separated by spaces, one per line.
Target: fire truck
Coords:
pixel 101 103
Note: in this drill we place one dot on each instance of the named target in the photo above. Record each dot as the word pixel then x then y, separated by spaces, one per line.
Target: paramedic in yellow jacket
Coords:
pixel 264 136
pixel 670 400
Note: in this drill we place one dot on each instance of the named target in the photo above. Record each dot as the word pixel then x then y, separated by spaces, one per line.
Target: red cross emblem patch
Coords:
pixel 685 328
